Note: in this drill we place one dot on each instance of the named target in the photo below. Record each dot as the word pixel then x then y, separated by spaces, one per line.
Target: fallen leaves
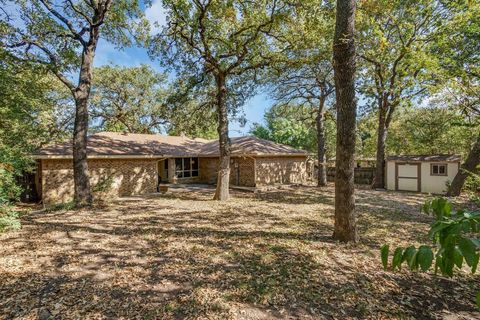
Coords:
pixel 257 256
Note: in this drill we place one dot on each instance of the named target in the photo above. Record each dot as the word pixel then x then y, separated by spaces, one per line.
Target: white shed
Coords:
pixel 426 173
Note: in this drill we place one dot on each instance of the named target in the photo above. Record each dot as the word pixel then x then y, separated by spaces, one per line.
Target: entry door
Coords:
pixel 236 171
pixel 407 176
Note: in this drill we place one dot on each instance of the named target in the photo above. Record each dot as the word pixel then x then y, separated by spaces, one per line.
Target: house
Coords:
pixel 123 164
pixel 421 173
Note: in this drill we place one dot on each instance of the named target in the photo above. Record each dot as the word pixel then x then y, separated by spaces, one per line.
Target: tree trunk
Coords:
pixel 344 73
pixel 223 179
pixel 379 179
pixel 322 166
pixel 470 165
pixel 83 194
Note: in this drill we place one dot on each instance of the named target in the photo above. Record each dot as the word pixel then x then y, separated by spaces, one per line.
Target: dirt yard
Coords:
pixel 258 256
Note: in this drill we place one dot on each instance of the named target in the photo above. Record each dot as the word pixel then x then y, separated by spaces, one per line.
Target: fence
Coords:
pixel 362 175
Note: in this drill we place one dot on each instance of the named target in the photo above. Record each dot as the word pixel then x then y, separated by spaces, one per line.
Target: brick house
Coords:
pixel 123 164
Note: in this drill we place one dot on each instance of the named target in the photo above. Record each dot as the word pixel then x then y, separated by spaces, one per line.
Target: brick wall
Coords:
pixel 108 178
pixel 280 170
pixel 242 172
pixel 208 169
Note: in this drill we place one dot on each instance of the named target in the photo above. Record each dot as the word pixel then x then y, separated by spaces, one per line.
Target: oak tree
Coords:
pixel 303 75
pixel 63 36
pixel 346 105
pixel 393 38
pixel 458 49
pixel 224 44
pixel 129 99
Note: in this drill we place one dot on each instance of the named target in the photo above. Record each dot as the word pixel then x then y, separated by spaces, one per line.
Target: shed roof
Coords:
pixel 426 158
pixel 114 144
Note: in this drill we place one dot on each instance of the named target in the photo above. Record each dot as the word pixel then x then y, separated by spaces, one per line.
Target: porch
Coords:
pixel 204 170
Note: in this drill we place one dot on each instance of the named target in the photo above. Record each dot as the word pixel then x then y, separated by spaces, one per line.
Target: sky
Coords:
pixel 106 53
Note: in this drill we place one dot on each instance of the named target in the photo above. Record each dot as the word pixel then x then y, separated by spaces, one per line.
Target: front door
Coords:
pixel 235 170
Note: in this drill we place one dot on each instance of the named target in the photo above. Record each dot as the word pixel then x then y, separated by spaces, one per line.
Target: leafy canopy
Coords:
pixel 129 99
pixel 55 33
pixel 294 125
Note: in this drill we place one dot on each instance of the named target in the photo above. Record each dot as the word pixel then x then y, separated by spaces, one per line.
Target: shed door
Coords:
pixel 407 176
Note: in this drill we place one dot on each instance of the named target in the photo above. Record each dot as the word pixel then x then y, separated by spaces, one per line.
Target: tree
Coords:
pixel 140 100
pixel 32 105
pixel 288 124
pixel 63 36
pixel 436 129
pixel 294 125
pixel 431 130
pixel 304 74
pixel 393 37
pixel 129 99
pixel 457 46
pixel 191 109
pixel 31 114
pixel 470 165
pixel 310 84
pixel 224 43
pixel 344 75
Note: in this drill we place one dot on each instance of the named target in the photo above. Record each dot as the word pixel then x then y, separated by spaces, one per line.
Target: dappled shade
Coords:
pixel 257 256
pixel 114 143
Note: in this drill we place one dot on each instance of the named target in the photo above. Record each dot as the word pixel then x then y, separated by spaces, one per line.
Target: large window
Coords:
pixel 186 167
pixel 438 169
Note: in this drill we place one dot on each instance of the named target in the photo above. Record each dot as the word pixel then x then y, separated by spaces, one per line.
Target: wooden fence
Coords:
pixel 362 175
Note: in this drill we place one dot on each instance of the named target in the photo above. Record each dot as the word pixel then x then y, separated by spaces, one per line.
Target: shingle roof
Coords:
pixel 429 158
pixel 251 145
pixel 128 144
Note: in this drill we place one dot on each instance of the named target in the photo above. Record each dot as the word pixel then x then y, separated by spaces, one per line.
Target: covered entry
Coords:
pixel 407 176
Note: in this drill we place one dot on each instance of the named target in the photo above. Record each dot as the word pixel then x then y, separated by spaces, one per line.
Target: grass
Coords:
pixel 258 256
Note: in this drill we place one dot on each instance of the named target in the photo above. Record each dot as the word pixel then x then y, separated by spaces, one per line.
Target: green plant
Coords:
pixel 472 183
pixel 9 190
pixel 9 219
pixel 455 236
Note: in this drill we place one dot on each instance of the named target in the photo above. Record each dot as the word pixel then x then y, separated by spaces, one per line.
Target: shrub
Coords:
pixel 455 237
pixel 9 190
pixel 9 219
pixel 472 184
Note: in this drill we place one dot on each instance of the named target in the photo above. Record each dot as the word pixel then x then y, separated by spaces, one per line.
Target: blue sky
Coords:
pixel 254 108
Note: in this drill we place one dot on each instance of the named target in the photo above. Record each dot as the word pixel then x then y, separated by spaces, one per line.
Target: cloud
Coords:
pixel 156 15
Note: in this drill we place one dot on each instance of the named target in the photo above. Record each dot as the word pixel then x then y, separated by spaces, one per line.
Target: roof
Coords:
pixel 114 144
pixel 426 158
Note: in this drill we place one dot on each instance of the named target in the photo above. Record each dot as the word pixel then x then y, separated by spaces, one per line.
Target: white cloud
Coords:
pixel 156 15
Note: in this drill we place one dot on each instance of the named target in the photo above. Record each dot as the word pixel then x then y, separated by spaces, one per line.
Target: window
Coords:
pixel 186 167
pixel 438 169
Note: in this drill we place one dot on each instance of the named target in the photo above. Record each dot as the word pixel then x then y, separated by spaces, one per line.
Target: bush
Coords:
pixel 9 190
pixel 9 219
pixel 472 183
pixel 455 237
